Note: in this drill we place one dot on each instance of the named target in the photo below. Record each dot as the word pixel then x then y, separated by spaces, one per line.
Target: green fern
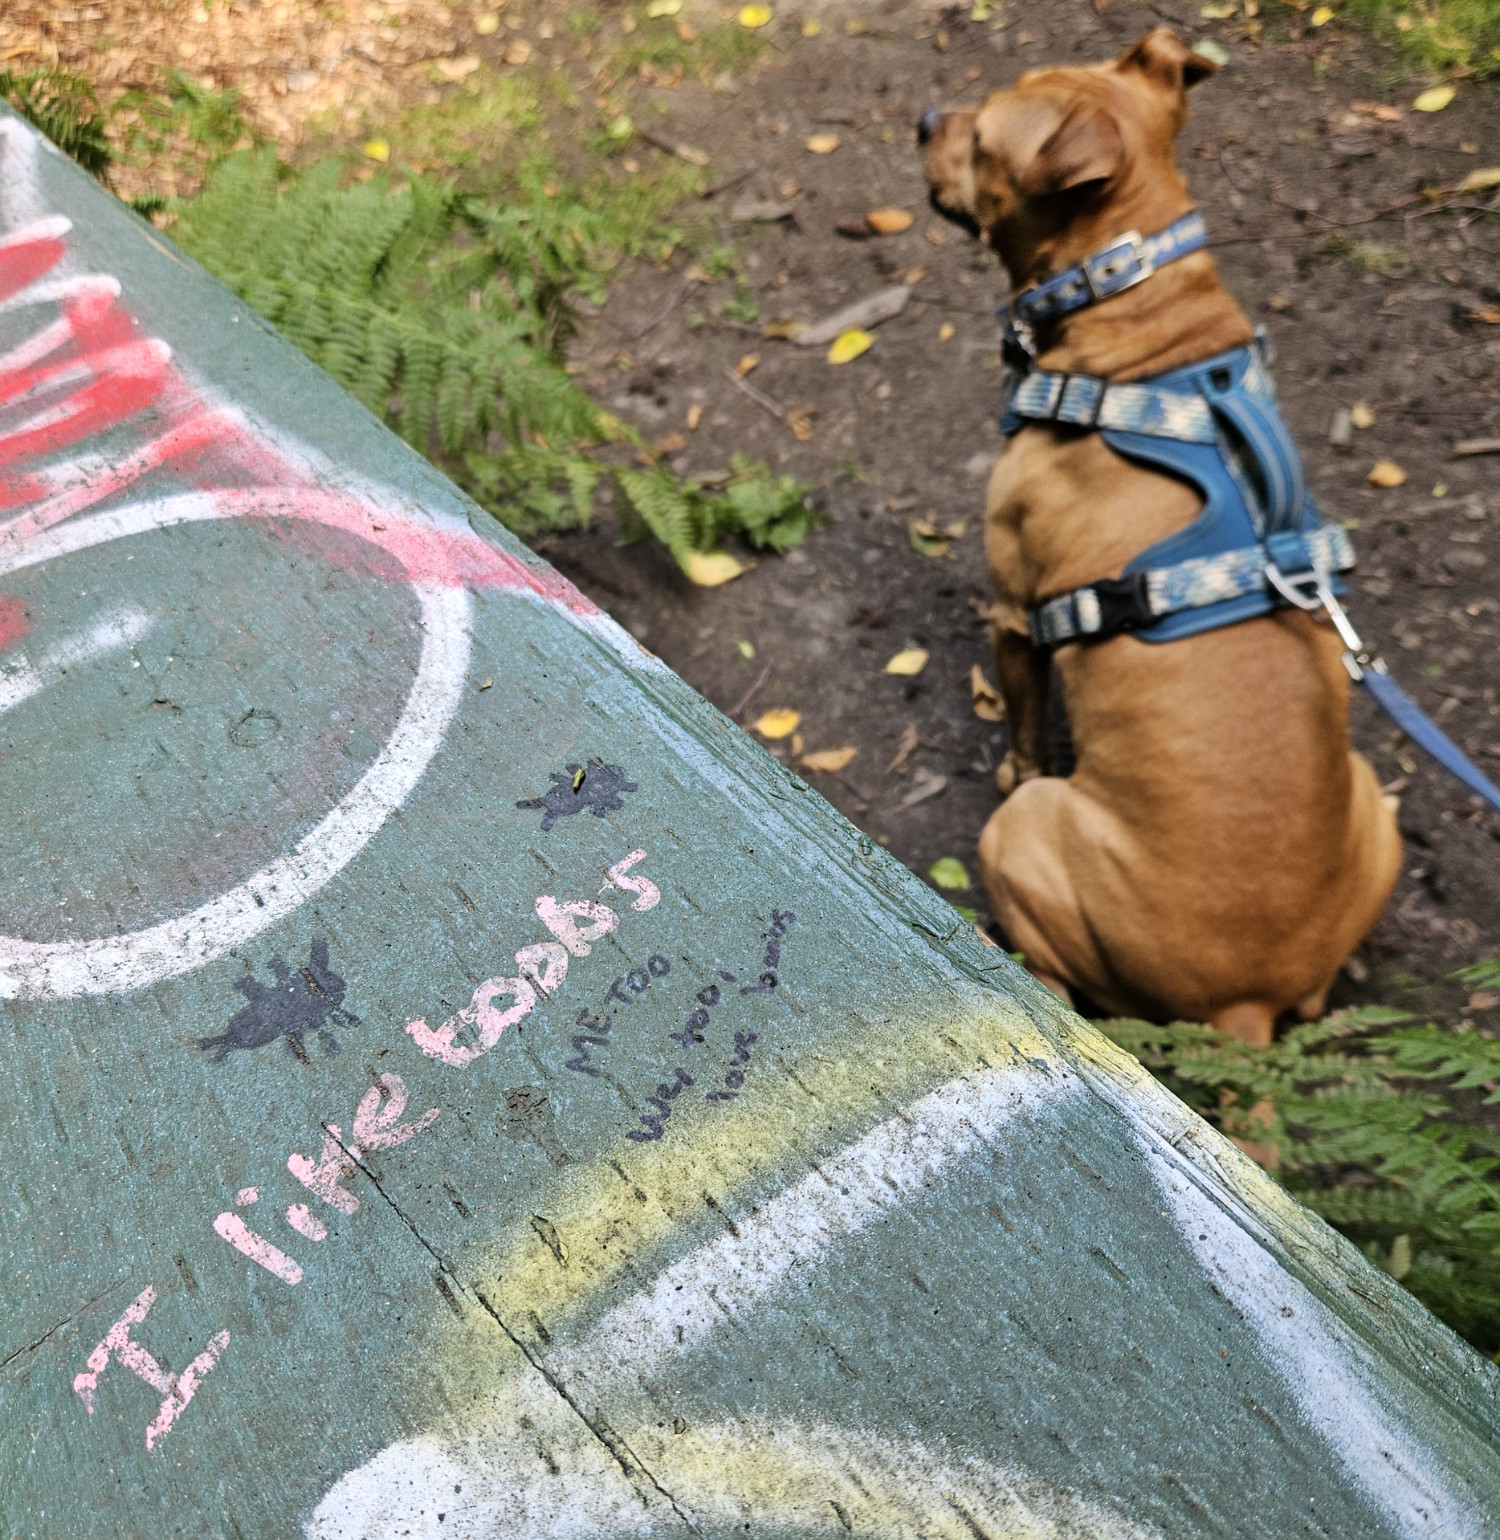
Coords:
pixel 449 317
pixel 1365 1114
pixel 63 106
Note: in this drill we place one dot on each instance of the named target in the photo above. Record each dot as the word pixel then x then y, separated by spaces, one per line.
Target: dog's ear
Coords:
pixel 1162 57
pixel 1085 147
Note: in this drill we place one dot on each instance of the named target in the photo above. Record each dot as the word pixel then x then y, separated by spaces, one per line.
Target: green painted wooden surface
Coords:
pixel 899 1246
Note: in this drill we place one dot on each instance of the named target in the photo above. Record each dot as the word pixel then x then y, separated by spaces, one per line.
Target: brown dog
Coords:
pixel 1219 849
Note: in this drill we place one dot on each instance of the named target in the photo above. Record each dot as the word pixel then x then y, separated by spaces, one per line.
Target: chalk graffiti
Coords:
pixel 300 1001
pixel 85 371
pixel 176 1390
pixel 595 788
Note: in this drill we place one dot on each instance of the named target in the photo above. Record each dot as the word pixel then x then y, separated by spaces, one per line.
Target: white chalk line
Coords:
pixel 20 680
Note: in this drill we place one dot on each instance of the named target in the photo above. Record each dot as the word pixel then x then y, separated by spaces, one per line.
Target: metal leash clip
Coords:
pixel 1294 590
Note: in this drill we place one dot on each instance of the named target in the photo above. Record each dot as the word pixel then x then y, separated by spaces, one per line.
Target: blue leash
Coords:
pixel 1421 729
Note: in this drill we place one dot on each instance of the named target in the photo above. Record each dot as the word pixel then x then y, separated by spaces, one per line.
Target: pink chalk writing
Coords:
pixel 246 1196
pixel 440 1044
pixel 376 1127
pixel 177 1390
pixel 304 1222
pixel 232 1228
pixel 322 1180
pixel 562 921
pixel 650 894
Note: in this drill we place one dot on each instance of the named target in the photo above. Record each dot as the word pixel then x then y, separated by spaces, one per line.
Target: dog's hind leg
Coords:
pixel 1249 1020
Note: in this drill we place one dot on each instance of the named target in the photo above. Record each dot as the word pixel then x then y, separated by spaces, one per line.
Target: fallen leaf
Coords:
pixel 854 229
pixel 950 873
pixel 914 275
pixel 1323 15
pixel 663 8
pixel 904 750
pixel 1360 416
pixel 1434 99
pixel 823 144
pixel 489 684
pixel 1381 110
pixel 924 785
pixel 1206 48
pixel 797 745
pixel 378 149
pixel 746 364
pixel 1479 181
pixel 946 331
pixel 621 128
pixel 694 416
pixel 1224 12
pixel 830 760
pixel 1490 315
pixel 759 211
pixel 799 420
pixel 708 569
pixel 955 529
pixel 745 646
pixel 936 236
pixel 848 345
pixel 910 660
pixel 1440 489
pixel 687 32
pixel 811 28
pixel 1386 473
pixel 669 445
pixel 518 51
pixel 890 221
pixel 988 706
pixel 783 331
pixel 780 723
pixel 926 539
pixel 456 69
pixel 1483 1000
pixel 486 23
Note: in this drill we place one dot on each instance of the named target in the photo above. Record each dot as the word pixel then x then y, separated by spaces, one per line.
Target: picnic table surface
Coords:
pixel 455 1083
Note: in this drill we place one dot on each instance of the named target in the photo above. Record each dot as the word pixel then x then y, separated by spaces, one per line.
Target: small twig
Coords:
pixel 732 180
pixel 752 692
pixel 692 155
pixel 677 297
pixel 759 397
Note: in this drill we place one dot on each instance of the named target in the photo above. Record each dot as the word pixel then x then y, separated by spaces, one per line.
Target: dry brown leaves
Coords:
pixel 288 60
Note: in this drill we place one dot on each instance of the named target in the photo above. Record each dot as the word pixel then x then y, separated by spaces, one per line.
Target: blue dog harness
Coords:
pixel 1258 544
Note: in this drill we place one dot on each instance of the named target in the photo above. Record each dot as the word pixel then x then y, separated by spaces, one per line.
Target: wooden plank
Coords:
pixel 455 1083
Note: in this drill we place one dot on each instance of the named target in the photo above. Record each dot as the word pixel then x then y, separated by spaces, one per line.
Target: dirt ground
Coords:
pixel 1365 303
pixel 1371 294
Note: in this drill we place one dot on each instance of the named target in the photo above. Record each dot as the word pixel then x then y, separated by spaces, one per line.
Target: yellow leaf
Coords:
pixel 811 28
pixel 780 723
pixel 1224 12
pixel 1440 490
pixel 708 569
pixel 1360 415
pixel 753 16
pixel 1323 15
pixel 830 760
pixel 946 331
pixel 849 345
pixel 746 646
pixel 823 144
pixel 910 660
pixel 663 8
pixel 694 416
pixel 746 364
pixel 1479 181
pixel 988 706
pixel 1434 99
pixel 890 221
pixel 378 149
pixel 1386 473
pixel 486 23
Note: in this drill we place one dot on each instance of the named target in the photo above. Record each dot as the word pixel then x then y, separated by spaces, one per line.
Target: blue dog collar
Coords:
pixel 1121 265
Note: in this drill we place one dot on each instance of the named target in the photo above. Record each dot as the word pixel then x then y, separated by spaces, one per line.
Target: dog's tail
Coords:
pixel 1249 1020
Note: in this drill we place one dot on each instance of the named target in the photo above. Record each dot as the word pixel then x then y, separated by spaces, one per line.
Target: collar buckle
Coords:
pixel 1120 266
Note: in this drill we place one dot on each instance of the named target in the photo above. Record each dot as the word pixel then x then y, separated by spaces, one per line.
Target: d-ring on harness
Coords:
pixel 1258 545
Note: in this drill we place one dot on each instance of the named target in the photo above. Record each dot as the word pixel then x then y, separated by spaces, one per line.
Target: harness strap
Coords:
pixel 1111 605
pixel 1085 401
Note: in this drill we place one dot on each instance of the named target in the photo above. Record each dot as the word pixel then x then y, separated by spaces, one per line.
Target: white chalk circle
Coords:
pixel 64 970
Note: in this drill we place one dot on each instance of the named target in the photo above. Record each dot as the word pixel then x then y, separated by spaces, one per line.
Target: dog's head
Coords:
pixel 1036 170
